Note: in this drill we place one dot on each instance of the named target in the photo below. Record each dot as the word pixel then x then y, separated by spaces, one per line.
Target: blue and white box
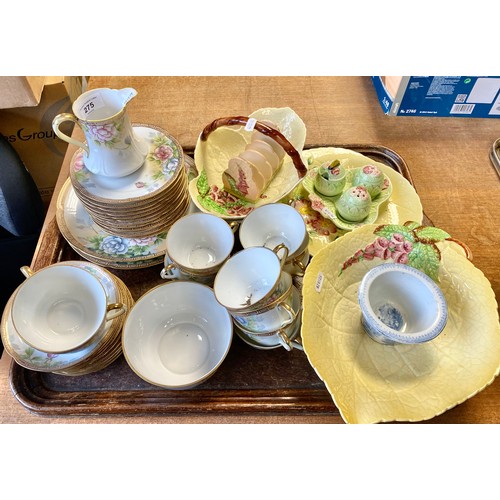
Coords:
pixel 450 96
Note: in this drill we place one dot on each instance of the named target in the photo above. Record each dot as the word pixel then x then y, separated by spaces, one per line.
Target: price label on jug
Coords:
pixel 91 104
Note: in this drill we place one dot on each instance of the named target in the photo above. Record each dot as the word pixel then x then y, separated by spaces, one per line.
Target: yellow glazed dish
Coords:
pixel 403 204
pixel 370 382
pixel 212 157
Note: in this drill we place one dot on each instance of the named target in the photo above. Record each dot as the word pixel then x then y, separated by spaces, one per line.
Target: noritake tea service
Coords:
pixel 274 224
pixel 177 335
pixel 197 247
pixel 98 352
pixel 127 205
pixel 61 308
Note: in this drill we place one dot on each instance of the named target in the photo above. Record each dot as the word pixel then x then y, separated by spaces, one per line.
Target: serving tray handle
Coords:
pixel 289 148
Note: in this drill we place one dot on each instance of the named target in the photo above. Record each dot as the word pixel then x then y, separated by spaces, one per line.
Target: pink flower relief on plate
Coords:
pixel 317 204
pixel 397 249
pixel 139 184
pixel 163 153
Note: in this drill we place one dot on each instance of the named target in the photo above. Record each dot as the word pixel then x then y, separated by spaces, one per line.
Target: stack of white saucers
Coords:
pixel 141 204
pixel 106 249
pixel 105 348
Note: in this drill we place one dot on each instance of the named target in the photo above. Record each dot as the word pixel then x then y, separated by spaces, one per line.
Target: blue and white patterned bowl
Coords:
pixel 401 305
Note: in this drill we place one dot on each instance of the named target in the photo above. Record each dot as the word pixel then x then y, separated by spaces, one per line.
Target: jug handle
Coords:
pixel 65 117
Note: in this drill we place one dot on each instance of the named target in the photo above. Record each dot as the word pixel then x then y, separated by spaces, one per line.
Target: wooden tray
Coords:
pixel 250 381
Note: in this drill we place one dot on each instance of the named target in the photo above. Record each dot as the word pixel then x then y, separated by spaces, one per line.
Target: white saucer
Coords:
pixel 161 166
pixel 86 237
pixel 36 360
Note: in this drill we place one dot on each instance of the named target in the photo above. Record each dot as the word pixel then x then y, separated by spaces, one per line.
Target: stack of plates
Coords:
pixel 109 249
pixel 99 354
pixel 99 246
pixel 141 204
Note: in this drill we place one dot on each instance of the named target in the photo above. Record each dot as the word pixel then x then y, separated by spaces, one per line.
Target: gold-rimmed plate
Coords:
pixel 163 163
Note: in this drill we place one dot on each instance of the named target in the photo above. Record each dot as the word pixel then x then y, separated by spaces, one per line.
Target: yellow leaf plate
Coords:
pixel 370 382
pixel 403 204
pixel 212 156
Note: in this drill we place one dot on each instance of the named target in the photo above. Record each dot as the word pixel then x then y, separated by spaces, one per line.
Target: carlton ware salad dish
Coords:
pixel 371 382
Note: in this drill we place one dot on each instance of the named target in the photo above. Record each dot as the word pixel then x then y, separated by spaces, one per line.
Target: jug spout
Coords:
pixel 127 94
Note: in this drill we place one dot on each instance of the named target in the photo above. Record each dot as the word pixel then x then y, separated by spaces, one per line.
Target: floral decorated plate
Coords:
pixel 78 228
pixel 403 204
pixel 212 156
pixel 326 205
pixel 136 264
pixel 160 169
pixel 36 360
pixel 371 382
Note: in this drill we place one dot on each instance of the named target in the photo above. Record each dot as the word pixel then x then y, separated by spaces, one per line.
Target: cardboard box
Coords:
pixel 446 96
pixel 20 91
pixel 29 130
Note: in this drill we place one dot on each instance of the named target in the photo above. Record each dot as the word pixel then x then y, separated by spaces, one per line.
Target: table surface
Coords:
pixel 448 159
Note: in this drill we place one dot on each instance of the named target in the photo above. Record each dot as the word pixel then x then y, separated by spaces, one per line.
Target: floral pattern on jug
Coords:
pixel 106 134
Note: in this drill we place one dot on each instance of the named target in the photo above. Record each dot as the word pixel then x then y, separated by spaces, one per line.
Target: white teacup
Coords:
pixel 274 316
pixel 251 279
pixel 273 224
pixel 61 308
pixel 197 246
pixel 287 337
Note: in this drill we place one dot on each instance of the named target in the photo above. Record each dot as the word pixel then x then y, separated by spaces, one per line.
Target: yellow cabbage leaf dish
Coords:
pixel 212 157
pixel 370 382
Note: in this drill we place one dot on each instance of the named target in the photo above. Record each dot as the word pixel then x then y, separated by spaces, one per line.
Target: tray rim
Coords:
pixel 30 390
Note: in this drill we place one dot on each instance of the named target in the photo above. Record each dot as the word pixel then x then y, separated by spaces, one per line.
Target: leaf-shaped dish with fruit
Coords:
pixel 370 382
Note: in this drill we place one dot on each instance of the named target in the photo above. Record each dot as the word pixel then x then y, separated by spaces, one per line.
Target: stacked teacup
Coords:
pixel 256 284
pixel 197 245
pixel 66 318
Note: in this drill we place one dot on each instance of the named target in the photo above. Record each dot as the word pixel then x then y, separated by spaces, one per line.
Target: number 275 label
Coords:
pixel 95 102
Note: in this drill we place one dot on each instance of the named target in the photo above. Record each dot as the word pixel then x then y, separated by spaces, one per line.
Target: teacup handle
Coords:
pixel 114 310
pixel 297 262
pixel 234 225
pixel 291 314
pixel 67 117
pixel 283 258
pixel 287 343
pixel 167 273
pixel 27 271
